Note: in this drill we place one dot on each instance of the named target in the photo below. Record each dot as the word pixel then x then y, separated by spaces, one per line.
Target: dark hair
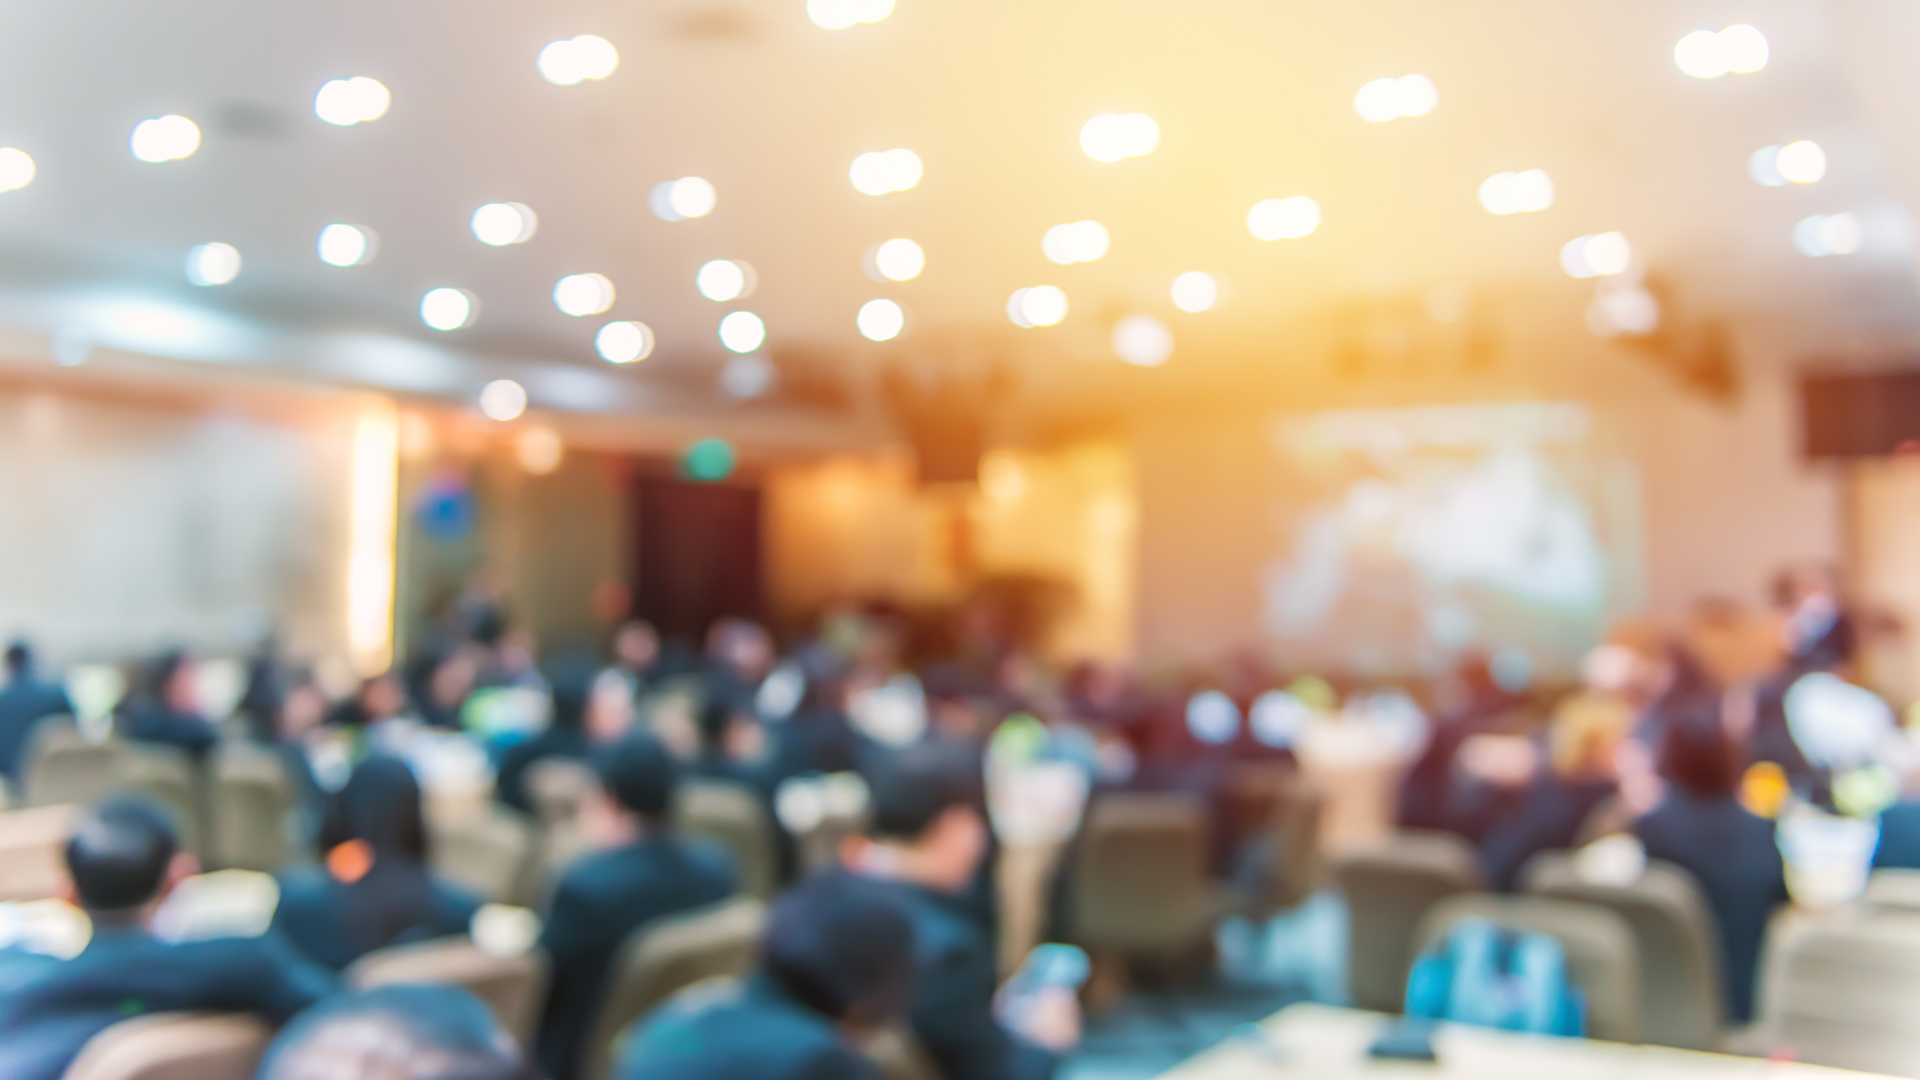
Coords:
pixel 442 1028
pixel 162 671
pixel 19 657
pixel 911 788
pixel 118 853
pixel 571 680
pixel 841 945
pixel 1696 753
pixel 380 804
pixel 639 773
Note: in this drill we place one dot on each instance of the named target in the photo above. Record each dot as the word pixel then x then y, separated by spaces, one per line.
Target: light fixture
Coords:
pixel 498 224
pixel 1109 137
pixel 843 14
pixel 1517 192
pixel 722 280
pixel 539 450
pixel 896 260
pixel 1284 219
pixel 345 102
pixel 448 308
pixel 1142 340
pixel 16 169
pixel 1827 234
pixel 1600 255
pixel 1390 99
pixel 1764 166
pixel 583 294
pixel 678 200
pixel 624 342
pixel 1801 162
pixel 742 331
pixel 577 59
pixel 1082 241
pixel 503 400
pixel 881 320
pixel 164 138
pixel 213 264
pixel 1195 291
pixel 372 527
pixel 1041 305
pixel 1623 307
pixel 347 245
pixel 1739 48
pixel 880 172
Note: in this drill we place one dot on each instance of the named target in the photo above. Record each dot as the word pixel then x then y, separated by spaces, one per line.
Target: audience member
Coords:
pixel 375 889
pixel 818 737
pixel 299 712
pixel 1899 846
pixel 636 651
pixel 837 962
pixel 733 745
pixel 928 836
pixel 439 682
pixel 642 873
pixel 564 737
pixel 1548 814
pixel 122 860
pixel 396 1033
pixel 378 699
pixel 26 700
pixel 1701 826
pixel 168 711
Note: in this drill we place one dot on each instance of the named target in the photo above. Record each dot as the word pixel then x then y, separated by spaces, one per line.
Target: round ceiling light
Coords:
pixel 345 102
pixel 742 332
pixel 574 60
pixel 624 342
pixel 498 224
pixel 881 320
pixel 448 308
pixel 583 294
pixel 1284 219
pixel 678 200
pixel 346 245
pixel 164 138
pixel 213 264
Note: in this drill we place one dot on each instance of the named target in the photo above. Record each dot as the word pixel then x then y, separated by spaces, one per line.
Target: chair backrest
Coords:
pixel 1681 1001
pixel 1140 884
pixel 665 957
pixel 1389 888
pixel 1289 846
pixel 514 987
pixel 1843 991
pixel 1894 890
pixel 175 1046
pixel 168 776
pixel 489 851
pixel 556 786
pixel 61 768
pixel 33 846
pixel 1599 946
pixel 252 809
pixel 734 816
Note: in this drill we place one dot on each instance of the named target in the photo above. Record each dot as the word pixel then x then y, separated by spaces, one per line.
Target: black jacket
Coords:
pixel 335 924
pixel 23 704
pixel 754 1031
pixel 152 722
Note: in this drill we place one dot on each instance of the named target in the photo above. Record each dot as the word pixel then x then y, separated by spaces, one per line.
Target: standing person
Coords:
pixel 25 702
pixel 168 712
pixel 122 860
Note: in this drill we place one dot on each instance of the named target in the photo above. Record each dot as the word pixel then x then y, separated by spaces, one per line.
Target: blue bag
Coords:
pixel 1490 976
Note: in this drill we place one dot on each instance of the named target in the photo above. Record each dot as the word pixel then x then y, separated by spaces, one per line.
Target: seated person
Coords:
pixel 123 859
pixel 375 889
pixel 928 838
pixel 25 702
pixel 565 735
pixel 1701 826
pixel 733 745
pixel 1899 847
pixel 378 699
pixel 641 873
pixel 168 712
pixel 836 963
pixel 396 1033
pixel 1550 810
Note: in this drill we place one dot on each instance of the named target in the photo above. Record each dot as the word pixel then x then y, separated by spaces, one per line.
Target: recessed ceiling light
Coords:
pixel 345 102
pixel 1082 241
pixel 1284 219
pixel 583 294
pixel 503 400
pixel 1108 137
pixel 16 169
pixel 1739 48
pixel 1601 255
pixel 742 331
pixel 843 14
pixel 883 171
pixel 1142 340
pixel 1041 305
pixel 722 280
pixel 1827 234
pixel 213 264
pixel 1517 192
pixel 164 138
pixel 898 259
pixel 1802 162
pixel 501 223
pixel 624 342
pixel 1195 291
pixel 678 200
pixel 448 308
pixel 575 60
pixel 347 245
pixel 1390 99
pixel 881 320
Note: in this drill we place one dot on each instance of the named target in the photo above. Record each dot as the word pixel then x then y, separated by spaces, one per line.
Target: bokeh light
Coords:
pixel 1827 234
pixel 1284 219
pixel 1082 241
pixel 346 245
pixel 678 200
pixel 498 224
pixel 1195 291
pixel 742 331
pixel 1705 54
pixel 1390 99
pixel 881 320
pixel 881 172
pixel 213 264
pixel 724 279
pixel 1517 192
pixel 164 138
pixel 898 259
pixel 1802 162
pixel 1041 305
pixel 1626 309
pixel 503 400
pixel 624 342
pixel 583 294
pixel 1108 137
pixel 448 308
pixel 1142 340
pixel 844 14
pixel 708 461
pixel 16 169
pixel 748 377
pixel 577 59
pixel 539 450
pixel 345 102
pixel 1764 166
pixel 1601 255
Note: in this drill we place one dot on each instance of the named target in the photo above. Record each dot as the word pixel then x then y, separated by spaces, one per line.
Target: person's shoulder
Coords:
pixel 303 888
pixel 705 856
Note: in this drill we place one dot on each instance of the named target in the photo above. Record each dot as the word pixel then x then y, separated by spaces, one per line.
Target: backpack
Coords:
pixel 1493 976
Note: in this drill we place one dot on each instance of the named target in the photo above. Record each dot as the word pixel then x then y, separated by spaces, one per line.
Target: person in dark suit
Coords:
pixel 641 874
pixel 836 964
pixel 1701 826
pixel 375 889
pixel 928 836
pixel 167 712
pixel 571 685
pixel 25 702
pixel 122 860
pixel 396 1031
pixel 818 737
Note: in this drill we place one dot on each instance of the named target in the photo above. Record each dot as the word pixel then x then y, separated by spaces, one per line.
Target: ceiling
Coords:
pixel 1253 100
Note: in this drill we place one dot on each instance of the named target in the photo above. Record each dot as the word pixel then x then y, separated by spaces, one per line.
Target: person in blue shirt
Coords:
pixel 396 1031
pixel 167 712
pixel 26 700
pixel 123 858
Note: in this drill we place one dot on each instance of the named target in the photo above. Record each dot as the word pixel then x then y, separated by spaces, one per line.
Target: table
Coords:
pixel 1319 1042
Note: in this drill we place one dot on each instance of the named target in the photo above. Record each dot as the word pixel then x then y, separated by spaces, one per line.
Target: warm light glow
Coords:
pixel 843 14
pixel 1801 162
pixel 503 400
pixel 1001 477
pixel 345 102
pixel 742 332
pixel 1390 99
pixel 575 60
pixel 678 200
pixel 164 138
pixel 881 320
pixel 1142 340
pixel 583 294
pixel 1195 291
pixel 881 172
pixel 1082 241
pixel 897 260
pixel 1108 137
pixel 723 280
pixel 346 245
pixel 1042 305
pixel 373 519
pixel 624 342
pixel 16 169
pixel 1517 192
pixel 498 224
pixel 1827 234
pixel 1284 219
pixel 539 450
pixel 1764 166
pixel 448 308
pixel 213 264
pixel 1739 48
pixel 1624 309
pixel 1596 256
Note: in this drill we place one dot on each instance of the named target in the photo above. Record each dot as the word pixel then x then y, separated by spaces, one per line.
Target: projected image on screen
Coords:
pixel 1420 534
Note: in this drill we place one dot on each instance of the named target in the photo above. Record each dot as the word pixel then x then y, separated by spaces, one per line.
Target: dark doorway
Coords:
pixel 697 555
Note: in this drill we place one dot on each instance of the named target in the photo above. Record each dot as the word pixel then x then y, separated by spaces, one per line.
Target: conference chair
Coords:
pixel 734 816
pixel 33 846
pixel 1893 890
pixel 168 776
pixel 898 1055
pixel 1843 991
pixel 175 1046
pixel 514 987
pixel 60 767
pixel 252 809
pixel 665 957
pixel 1284 859
pixel 489 850
pixel 556 787
pixel 1601 957
pixel 1388 889
pixel 1140 888
pixel 1681 1000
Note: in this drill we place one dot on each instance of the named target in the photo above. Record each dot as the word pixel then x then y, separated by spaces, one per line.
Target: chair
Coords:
pixel 556 786
pixel 33 852
pixel 1599 944
pixel 734 816
pixel 665 957
pixel 175 1046
pixel 1140 884
pixel 252 809
pixel 1681 1000
pixel 1844 991
pixel 1286 851
pixel 489 851
pixel 898 1055
pixel 514 987
pixel 1893 890
pixel 168 776
pixel 61 767
pixel 1388 889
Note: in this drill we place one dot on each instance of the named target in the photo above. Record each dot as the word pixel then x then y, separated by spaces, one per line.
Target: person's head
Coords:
pixel 728 729
pixel 379 812
pixel 453 677
pixel 1585 737
pixel 1696 753
pixel 609 707
pixel 743 646
pixel 570 683
pixel 302 707
pixel 122 859
pixel 637 780
pixel 927 816
pixel 636 645
pixel 382 697
pixel 407 1032
pixel 171 681
pixel 19 659
pixel 843 946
